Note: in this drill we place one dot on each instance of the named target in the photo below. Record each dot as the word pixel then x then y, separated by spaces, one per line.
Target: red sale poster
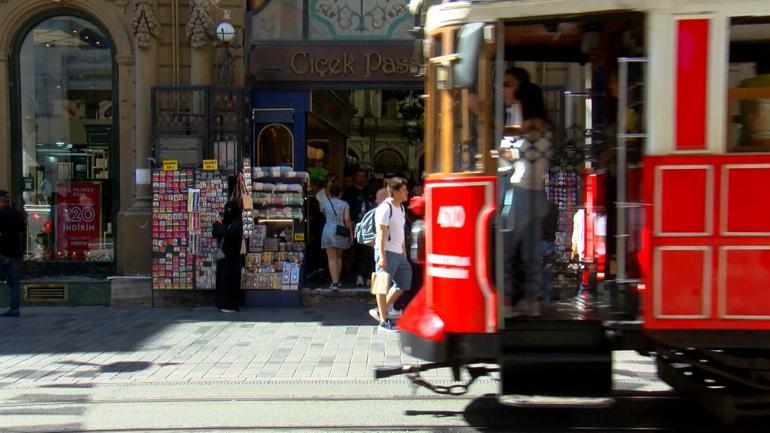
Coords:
pixel 78 218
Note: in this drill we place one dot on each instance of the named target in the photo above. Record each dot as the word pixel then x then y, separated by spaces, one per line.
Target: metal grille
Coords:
pixel 45 293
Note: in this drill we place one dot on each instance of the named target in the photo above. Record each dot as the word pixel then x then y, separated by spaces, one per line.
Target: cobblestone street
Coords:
pixel 108 345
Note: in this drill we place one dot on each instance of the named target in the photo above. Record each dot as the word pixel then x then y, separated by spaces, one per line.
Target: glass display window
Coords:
pixel 65 110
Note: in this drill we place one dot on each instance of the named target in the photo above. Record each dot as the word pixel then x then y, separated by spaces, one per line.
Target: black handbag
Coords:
pixel 338 230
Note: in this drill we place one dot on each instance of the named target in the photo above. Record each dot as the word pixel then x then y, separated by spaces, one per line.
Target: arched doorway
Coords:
pixel 389 161
pixel 63 141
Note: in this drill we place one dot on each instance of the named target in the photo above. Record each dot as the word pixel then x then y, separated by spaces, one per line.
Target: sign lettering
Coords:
pixel 210 165
pixel 451 217
pixel 340 62
pixel 170 165
pixel 78 223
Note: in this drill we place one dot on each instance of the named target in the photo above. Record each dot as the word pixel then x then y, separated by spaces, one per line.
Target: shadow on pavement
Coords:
pixel 99 329
pixel 637 413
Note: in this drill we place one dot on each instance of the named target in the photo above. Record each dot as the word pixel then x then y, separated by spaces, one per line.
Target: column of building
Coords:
pixel 135 235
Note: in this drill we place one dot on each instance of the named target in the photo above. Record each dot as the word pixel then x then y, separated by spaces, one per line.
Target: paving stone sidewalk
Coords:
pixel 107 345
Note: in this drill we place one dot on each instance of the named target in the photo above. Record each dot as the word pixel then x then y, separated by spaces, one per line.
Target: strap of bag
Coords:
pixel 331 203
pixel 391 216
pixel 224 235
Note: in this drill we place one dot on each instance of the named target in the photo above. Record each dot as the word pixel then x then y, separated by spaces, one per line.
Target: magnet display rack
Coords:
pixel 274 268
pixel 185 205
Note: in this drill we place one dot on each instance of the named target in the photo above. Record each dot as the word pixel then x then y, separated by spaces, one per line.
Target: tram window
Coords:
pixel 749 81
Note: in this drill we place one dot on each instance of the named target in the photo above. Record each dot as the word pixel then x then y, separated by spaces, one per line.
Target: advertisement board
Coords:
pixel 78 219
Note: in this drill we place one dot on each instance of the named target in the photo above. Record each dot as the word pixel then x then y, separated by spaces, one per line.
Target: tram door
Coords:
pixel 568 164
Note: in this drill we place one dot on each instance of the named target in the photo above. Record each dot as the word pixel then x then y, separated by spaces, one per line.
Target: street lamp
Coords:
pixel 226 33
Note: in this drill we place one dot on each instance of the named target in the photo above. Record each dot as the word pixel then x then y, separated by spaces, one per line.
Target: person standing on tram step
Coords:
pixel 390 251
pixel 527 196
pixel 12 227
pixel 229 235
pixel 335 239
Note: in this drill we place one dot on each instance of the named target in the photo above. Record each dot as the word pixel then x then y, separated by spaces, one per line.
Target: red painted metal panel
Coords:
pixel 746 282
pixel 458 286
pixel 682 275
pixel 683 199
pixel 691 81
pixel 748 199
pixel 740 265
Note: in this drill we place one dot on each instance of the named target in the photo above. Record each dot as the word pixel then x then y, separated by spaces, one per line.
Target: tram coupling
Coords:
pixel 412 372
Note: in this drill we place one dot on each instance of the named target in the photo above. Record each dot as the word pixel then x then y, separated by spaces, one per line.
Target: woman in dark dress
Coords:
pixel 229 233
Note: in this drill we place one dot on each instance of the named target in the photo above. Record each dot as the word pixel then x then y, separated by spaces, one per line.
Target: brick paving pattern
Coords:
pixel 172 345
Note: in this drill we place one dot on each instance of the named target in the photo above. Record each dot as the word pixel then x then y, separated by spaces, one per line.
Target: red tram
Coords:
pixel 656 164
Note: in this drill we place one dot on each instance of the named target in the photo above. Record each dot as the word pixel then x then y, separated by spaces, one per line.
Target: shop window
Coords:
pixel 64 116
pixel 275 146
pixel 749 81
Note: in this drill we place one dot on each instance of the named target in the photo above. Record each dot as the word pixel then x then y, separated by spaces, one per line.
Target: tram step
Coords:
pixel 565 335
pixel 557 373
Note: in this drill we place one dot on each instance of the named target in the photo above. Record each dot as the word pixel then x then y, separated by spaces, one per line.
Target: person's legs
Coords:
pixel 334 269
pixel 11 270
pixel 364 265
pixel 382 305
pixel 340 254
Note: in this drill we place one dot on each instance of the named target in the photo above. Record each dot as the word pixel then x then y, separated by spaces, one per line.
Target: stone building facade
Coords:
pixel 75 122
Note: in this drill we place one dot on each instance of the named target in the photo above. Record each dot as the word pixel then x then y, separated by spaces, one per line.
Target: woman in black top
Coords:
pixel 229 234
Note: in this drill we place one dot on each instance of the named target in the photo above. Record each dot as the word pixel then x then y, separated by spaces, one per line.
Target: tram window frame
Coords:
pixel 458 104
pixel 748 85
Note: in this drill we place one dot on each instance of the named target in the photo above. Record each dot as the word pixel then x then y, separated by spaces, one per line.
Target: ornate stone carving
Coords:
pixel 200 27
pixel 145 23
pixel 123 4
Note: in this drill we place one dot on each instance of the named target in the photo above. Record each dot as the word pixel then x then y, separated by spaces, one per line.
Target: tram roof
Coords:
pixel 462 12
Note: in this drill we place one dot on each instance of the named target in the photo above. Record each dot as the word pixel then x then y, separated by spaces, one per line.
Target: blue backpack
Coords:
pixel 366 230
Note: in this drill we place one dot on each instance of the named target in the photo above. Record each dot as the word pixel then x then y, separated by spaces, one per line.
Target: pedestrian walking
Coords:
pixel 390 251
pixel 229 235
pixel 12 227
pixel 338 232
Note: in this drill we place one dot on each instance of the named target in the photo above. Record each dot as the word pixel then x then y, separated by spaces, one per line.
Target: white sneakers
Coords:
pixel 392 313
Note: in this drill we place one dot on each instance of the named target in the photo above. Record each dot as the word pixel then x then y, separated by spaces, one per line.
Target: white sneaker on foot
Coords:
pixel 375 314
pixel 392 312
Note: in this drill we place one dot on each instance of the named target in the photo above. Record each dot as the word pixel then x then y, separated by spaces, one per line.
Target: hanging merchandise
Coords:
pixel 243 192
pixel 276 249
pixel 172 260
pixel 212 191
pixel 562 190
pixel 185 205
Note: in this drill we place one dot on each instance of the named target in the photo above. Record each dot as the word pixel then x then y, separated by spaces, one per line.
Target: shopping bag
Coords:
pixel 380 283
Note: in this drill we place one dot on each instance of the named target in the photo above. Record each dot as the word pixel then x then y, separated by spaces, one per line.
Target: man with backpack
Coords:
pixel 390 250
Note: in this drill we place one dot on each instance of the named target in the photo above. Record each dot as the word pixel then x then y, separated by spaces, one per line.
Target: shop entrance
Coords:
pixel 352 138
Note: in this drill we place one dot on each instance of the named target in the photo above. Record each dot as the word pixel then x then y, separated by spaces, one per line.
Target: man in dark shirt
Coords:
pixel 12 226
pixel 359 201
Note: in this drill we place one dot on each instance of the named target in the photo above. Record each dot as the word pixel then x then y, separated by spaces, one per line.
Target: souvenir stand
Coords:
pixel 197 132
pixel 185 205
pixel 276 224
